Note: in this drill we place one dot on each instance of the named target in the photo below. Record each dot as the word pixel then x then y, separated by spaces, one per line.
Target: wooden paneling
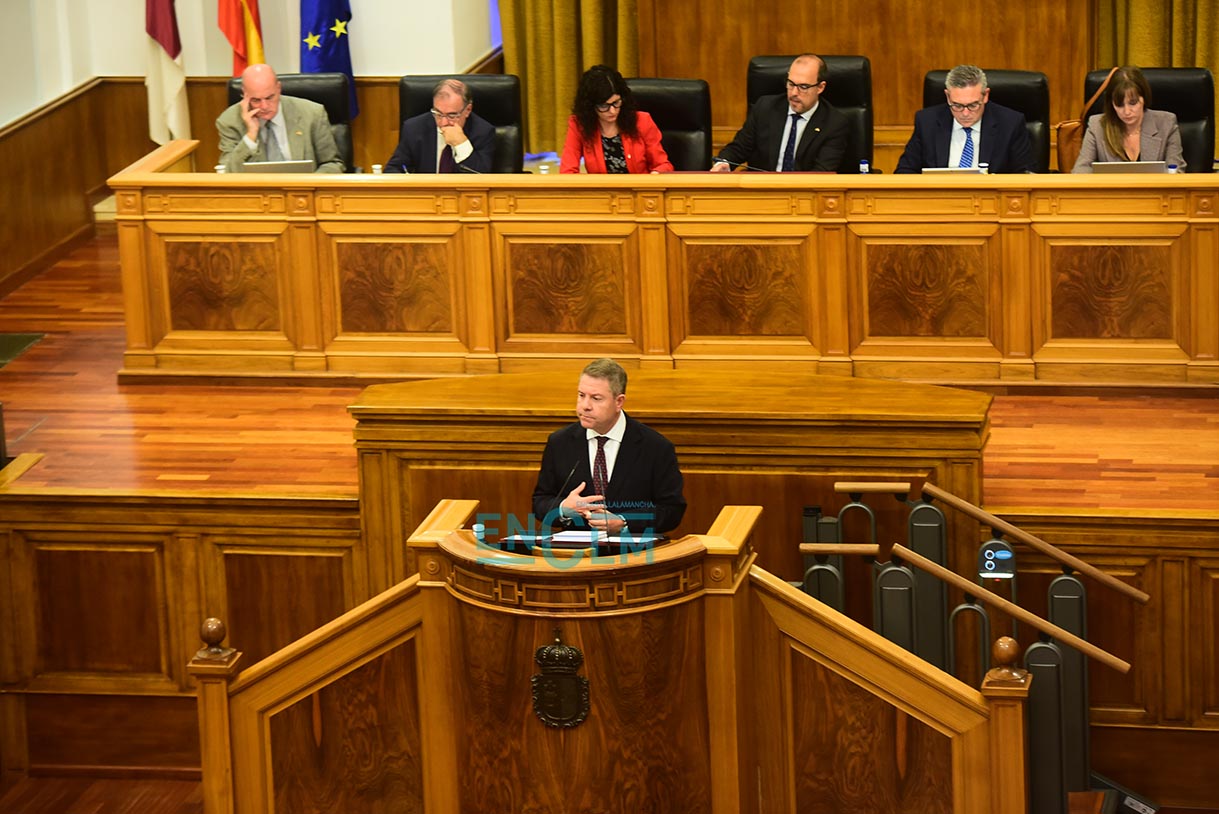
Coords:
pixel 355 744
pixel 648 697
pixel 859 751
pixel 981 279
pixel 100 734
pixel 902 40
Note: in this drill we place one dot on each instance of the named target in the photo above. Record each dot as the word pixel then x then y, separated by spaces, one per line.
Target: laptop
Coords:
pixel 1129 166
pixel 954 170
pixel 278 166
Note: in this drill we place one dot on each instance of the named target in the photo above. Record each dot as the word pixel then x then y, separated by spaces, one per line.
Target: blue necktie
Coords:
pixel 789 153
pixel 967 152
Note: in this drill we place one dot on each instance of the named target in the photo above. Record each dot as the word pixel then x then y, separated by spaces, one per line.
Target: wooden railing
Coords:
pixel 713 686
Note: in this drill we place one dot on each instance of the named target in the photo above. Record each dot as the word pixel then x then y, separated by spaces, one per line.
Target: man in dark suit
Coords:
pixel 607 471
pixel 967 132
pixel 448 138
pixel 799 132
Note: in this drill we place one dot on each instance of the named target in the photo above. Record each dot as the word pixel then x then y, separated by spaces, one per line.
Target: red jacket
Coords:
pixel 643 152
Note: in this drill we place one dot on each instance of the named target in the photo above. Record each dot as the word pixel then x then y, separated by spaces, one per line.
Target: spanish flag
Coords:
pixel 243 29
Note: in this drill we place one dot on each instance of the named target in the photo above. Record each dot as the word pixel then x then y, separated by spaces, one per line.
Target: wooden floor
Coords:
pixel 1094 453
pixel 1090 454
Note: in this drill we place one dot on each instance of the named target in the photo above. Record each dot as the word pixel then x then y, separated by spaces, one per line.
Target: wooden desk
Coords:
pixel 958 278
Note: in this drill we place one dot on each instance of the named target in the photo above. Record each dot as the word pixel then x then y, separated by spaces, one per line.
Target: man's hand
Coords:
pixel 721 166
pixel 592 509
pixel 252 123
pixel 453 135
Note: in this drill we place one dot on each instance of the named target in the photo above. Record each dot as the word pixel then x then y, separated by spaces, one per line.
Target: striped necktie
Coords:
pixel 967 152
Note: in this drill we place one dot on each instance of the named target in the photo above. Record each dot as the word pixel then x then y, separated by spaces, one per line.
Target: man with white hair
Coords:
pixel 968 130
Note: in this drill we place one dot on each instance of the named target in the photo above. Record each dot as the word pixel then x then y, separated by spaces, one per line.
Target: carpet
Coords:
pixel 13 345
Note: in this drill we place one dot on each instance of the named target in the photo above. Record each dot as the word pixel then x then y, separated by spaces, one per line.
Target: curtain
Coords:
pixel 1159 34
pixel 549 43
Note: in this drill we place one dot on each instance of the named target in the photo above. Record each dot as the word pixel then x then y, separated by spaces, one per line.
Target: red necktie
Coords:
pixel 600 472
pixel 447 164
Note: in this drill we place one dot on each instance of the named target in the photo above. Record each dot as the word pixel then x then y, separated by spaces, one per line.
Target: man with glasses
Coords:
pixel 265 125
pixel 448 138
pixel 957 134
pixel 793 132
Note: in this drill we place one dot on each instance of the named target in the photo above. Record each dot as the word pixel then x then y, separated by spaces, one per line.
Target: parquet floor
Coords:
pixel 1089 453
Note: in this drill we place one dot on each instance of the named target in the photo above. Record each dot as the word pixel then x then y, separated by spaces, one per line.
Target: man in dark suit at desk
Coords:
pixel 967 132
pixel 607 471
pixel 448 138
pixel 797 132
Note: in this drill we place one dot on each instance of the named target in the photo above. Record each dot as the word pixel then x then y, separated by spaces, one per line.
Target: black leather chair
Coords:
pixel 848 88
pixel 330 90
pixel 496 97
pixel 1188 92
pixel 681 109
pixel 1025 91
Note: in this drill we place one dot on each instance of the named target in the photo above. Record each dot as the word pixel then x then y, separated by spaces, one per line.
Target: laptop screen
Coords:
pixel 278 166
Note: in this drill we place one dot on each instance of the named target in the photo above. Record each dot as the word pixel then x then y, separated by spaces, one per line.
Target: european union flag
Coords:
pixel 324 44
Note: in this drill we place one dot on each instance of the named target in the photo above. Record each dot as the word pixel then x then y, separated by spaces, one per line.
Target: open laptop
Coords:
pixel 955 170
pixel 278 166
pixel 1129 166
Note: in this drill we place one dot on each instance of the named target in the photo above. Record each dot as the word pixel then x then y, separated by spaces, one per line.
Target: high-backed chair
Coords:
pixel 496 98
pixel 1187 92
pixel 1025 91
pixel 848 87
pixel 681 109
pixel 330 90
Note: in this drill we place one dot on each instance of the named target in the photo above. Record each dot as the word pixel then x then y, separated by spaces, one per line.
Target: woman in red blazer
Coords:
pixel 608 131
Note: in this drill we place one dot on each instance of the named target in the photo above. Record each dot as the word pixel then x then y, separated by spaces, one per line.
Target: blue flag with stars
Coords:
pixel 324 44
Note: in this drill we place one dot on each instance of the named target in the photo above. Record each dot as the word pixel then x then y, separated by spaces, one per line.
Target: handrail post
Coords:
pixel 1006 689
pixel 214 668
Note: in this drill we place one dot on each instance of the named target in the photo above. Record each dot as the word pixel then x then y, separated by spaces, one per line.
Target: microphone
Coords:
pixel 558 506
pixel 734 165
pixel 464 168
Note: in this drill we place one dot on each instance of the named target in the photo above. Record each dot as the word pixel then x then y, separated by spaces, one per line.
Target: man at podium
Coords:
pixel 607 471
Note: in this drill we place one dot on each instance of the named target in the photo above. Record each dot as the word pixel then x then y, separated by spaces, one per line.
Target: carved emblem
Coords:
pixel 560 697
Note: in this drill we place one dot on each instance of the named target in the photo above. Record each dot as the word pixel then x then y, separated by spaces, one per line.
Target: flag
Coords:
pixel 324 41
pixel 242 27
pixel 168 114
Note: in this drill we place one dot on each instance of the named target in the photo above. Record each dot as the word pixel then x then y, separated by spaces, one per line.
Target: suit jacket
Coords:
pixel 1005 140
pixel 643 151
pixel 416 151
pixel 309 136
pixel 757 143
pixel 646 487
pixel 1159 140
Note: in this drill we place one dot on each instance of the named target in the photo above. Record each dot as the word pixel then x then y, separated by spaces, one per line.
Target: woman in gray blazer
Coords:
pixel 1126 130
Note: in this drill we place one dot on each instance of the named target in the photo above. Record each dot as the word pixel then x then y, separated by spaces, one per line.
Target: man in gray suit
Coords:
pixel 265 125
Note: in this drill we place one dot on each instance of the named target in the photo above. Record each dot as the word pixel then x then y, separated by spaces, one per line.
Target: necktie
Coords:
pixel 600 472
pixel 789 152
pixel 447 164
pixel 967 152
pixel 273 151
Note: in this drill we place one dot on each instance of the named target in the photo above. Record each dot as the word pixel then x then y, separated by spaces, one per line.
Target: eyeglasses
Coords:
pixel 972 107
pixel 452 117
pixel 803 88
pixel 606 107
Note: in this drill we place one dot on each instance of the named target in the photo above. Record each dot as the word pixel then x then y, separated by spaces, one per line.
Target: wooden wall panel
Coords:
pixel 1112 292
pixel 854 751
pixel 1204 659
pixel 355 745
pixel 928 290
pixel 230 286
pixel 101 608
pixel 275 598
pixel 112 734
pixel 395 288
pixel 648 699
pixel 903 41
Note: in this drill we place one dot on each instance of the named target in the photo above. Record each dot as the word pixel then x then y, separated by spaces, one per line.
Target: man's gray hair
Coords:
pixel 965 76
pixel 452 86
pixel 609 370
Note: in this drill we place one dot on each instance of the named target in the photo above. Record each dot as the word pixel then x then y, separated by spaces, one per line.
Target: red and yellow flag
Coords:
pixel 242 27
